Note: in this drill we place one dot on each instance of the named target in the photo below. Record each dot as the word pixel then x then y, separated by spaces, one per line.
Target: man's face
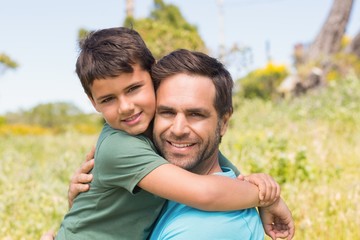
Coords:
pixel 187 129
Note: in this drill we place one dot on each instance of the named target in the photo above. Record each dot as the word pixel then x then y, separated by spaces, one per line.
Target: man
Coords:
pixel 193 110
pixel 194 105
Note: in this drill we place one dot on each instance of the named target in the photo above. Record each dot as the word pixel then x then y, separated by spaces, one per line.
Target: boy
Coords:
pixel 113 67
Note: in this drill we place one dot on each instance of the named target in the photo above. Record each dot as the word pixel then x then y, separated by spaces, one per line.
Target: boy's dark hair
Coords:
pixel 109 53
pixel 197 63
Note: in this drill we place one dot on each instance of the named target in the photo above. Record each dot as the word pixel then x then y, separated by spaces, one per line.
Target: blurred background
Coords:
pixel 40 37
pixel 296 62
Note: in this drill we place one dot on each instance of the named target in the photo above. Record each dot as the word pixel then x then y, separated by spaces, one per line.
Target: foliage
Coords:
pixel 262 83
pixel 166 30
pixel 341 65
pixel 2 120
pixel 23 129
pixel 34 175
pixel 55 117
pixel 82 33
pixel 7 62
pixel 310 146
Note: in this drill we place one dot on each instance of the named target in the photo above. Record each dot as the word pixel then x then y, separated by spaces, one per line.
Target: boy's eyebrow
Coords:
pixel 139 82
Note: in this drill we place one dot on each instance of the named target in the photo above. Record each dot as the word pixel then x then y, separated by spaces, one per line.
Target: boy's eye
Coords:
pixel 133 88
pixel 106 100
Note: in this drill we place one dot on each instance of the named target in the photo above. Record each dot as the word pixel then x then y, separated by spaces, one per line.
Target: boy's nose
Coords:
pixel 125 106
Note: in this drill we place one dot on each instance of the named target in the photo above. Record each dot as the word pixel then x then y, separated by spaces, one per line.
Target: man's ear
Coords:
pixel 225 123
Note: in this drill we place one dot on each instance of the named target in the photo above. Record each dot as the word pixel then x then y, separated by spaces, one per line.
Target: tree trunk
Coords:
pixel 354 47
pixel 329 38
pixel 129 8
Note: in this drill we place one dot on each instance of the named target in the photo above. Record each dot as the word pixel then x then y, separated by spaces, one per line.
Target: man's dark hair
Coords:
pixel 109 53
pixel 197 63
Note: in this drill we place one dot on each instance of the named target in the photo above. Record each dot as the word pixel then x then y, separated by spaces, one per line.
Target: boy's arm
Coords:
pixel 224 162
pixel 211 192
pixel 206 192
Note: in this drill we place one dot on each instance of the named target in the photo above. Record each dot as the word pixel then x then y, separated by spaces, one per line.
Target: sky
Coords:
pixel 40 35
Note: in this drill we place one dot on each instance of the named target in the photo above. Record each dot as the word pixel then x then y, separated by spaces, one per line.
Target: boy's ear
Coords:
pixel 225 123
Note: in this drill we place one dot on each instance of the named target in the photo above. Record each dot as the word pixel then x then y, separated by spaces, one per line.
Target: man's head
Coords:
pixel 114 68
pixel 107 53
pixel 194 104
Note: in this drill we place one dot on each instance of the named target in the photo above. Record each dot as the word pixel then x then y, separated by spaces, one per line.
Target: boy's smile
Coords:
pixel 127 101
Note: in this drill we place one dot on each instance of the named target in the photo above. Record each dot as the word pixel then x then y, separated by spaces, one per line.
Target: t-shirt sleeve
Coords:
pixel 122 160
pixel 224 162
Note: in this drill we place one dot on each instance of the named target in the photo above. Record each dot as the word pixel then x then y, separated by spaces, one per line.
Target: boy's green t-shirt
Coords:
pixel 114 207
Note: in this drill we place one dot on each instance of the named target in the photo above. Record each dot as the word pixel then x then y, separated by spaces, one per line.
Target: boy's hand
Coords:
pixel 277 220
pixel 80 180
pixel 269 189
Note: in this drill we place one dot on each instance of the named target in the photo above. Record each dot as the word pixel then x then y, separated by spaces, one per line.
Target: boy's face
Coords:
pixel 127 102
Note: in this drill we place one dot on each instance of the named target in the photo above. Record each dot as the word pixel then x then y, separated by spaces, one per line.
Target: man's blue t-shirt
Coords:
pixel 179 221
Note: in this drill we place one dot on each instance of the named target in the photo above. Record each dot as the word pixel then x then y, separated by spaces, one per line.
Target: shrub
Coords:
pixel 262 83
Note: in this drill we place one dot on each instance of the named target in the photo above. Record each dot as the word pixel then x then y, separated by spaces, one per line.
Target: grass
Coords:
pixel 309 144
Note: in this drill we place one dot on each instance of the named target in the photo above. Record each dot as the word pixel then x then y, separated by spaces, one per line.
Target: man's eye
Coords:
pixel 165 113
pixel 196 115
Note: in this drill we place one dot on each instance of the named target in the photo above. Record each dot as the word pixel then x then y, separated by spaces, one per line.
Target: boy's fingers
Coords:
pixel 87 166
pixel 91 154
pixel 241 177
pixel 48 236
pixel 84 178
pixel 262 191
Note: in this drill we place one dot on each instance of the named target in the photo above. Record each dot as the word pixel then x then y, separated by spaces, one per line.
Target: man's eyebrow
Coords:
pixel 198 110
pixel 162 107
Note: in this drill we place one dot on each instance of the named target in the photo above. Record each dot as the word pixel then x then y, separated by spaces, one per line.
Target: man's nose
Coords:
pixel 180 125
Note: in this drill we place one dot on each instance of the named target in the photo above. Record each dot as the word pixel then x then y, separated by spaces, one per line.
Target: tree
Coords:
pixel 129 8
pixel 323 57
pixel 166 29
pixel 328 40
pixel 163 31
pixel 6 63
pixel 354 46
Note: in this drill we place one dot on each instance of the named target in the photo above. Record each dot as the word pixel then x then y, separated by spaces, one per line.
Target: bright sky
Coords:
pixel 41 36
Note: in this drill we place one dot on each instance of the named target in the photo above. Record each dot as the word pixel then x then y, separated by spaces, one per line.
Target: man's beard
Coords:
pixel 194 162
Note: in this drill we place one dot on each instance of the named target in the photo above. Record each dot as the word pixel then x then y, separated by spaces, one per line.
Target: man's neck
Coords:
pixel 208 166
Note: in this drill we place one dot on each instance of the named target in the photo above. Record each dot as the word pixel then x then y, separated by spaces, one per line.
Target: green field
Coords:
pixel 311 145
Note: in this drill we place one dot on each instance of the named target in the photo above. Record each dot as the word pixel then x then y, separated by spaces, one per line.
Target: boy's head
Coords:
pixel 110 52
pixel 114 68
